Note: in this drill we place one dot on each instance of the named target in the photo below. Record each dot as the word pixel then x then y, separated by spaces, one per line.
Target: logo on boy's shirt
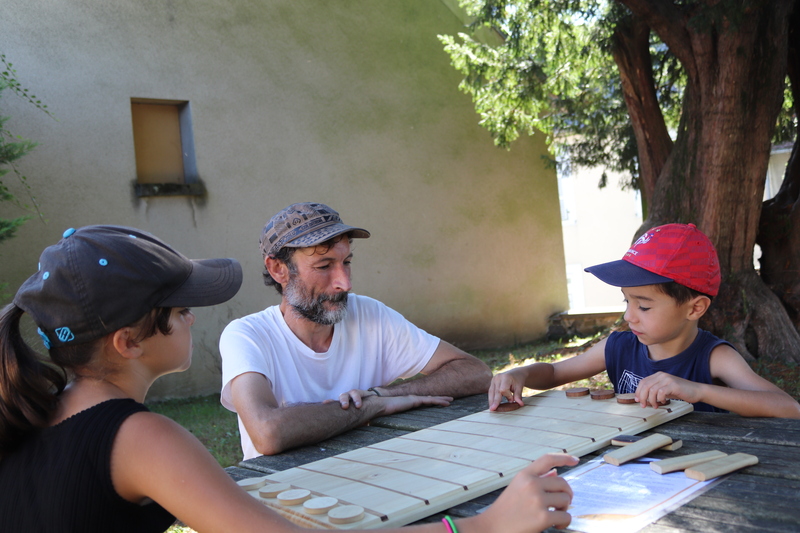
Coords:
pixel 628 382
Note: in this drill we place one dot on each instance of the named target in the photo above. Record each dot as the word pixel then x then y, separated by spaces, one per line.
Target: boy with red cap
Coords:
pixel 668 278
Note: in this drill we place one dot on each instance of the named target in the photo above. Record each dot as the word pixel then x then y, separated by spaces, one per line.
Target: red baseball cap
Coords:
pixel 673 252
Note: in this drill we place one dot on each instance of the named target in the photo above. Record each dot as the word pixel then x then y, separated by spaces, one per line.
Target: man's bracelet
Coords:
pixel 373 389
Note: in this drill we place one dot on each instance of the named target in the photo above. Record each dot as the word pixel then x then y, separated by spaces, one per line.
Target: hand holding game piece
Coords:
pixel 507 385
pixel 505 407
pixel 657 389
pixel 535 500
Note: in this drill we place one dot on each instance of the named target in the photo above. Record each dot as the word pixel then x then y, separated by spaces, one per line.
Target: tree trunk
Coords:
pixel 735 61
pixel 631 50
pixel 779 231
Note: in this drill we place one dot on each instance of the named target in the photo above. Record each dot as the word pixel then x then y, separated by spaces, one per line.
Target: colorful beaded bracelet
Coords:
pixel 449 524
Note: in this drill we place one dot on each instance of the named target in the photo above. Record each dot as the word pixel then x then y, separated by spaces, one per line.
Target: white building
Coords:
pixel 598 226
pixel 264 104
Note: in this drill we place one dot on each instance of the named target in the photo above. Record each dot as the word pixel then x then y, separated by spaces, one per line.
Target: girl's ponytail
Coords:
pixel 28 386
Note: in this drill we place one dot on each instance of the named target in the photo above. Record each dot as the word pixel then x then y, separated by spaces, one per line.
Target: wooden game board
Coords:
pixel 407 478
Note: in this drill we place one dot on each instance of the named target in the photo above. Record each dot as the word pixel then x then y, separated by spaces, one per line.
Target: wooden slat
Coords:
pixel 683 462
pixel 721 466
pixel 637 449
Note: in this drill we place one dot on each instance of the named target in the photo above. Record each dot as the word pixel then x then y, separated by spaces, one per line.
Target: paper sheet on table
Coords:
pixel 623 499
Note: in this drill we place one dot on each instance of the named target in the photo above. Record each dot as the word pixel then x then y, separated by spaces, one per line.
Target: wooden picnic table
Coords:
pixel 764 497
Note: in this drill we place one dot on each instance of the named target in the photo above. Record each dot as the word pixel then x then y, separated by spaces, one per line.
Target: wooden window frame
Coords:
pixel 191 185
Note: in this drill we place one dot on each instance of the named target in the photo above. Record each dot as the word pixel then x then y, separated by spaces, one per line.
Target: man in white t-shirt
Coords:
pixel 321 361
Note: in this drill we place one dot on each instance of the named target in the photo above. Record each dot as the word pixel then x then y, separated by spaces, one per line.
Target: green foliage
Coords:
pixel 554 72
pixel 786 129
pixel 12 148
pixel 8 78
pixel 547 57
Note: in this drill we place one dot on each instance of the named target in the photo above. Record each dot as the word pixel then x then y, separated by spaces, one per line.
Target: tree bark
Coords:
pixel 631 50
pixel 779 230
pixel 735 61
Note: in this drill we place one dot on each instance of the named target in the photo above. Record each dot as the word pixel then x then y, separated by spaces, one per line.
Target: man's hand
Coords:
pixel 656 389
pixel 398 404
pixel 507 385
pixel 355 395
pixel 391 404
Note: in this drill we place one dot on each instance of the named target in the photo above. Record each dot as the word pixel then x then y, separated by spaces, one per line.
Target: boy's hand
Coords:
pixel 657 389
pixel 507 385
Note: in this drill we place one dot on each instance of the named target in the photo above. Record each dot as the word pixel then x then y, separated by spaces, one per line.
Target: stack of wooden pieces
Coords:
pixel 700 466
pixel 706 465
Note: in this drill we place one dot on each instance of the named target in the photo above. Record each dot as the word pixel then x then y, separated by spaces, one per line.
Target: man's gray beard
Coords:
pixel 314 309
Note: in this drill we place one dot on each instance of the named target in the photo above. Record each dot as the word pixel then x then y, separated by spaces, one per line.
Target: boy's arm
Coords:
pixel 746 393
pixel 543 376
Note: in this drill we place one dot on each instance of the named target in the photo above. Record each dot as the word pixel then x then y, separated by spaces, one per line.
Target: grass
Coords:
pixel 209 421
pixel 504 359
pixel 217 429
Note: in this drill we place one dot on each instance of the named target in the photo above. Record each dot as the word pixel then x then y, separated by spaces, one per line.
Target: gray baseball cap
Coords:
pixel 303 225
pixel 98 279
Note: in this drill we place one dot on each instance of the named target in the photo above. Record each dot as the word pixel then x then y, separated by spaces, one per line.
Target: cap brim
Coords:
pixel 212 282
pixel 624 274
pixel 324 234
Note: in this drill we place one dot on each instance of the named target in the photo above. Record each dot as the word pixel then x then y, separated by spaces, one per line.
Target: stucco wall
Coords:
pixel 353 104
pixel 599 227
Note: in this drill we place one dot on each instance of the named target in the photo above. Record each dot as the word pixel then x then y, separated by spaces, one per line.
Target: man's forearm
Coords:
pixel 457 378
pixel 299 425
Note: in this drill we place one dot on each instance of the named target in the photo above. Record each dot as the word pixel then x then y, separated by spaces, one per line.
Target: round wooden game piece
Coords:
pixel 273 489
pixel 628 397
pixel 507 406
pixel 294 496
pixel 665 402
pixel 346 514
pixel 320 505
pixel 252 483
pixel 577 392
pixel 602 394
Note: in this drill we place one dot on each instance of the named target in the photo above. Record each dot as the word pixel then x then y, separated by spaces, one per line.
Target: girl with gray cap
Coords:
pixel 78 450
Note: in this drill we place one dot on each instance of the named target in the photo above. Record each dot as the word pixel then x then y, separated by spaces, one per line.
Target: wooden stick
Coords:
pixel 723 465
pixel 637 449
pixel 624 440
pixel 685 461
